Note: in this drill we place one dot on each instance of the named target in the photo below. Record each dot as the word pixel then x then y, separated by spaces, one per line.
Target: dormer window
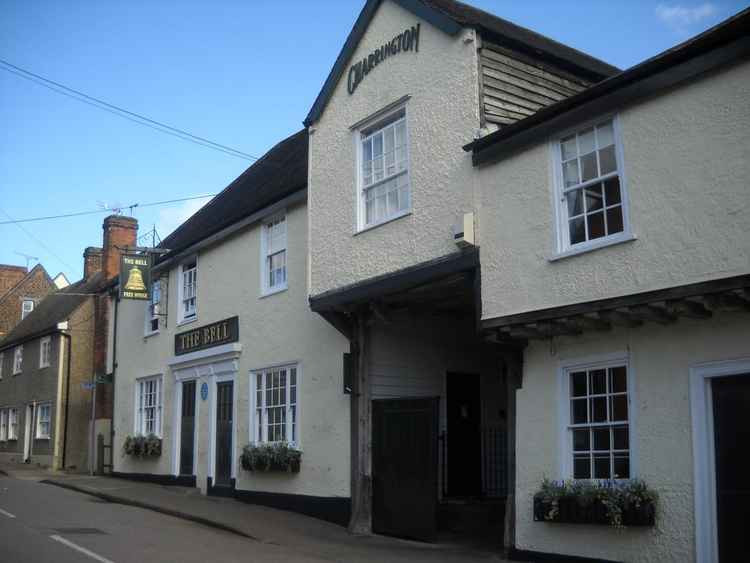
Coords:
pixel 26 307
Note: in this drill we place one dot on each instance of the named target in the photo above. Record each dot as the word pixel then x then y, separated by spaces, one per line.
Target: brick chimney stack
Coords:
pixel 119 232
pixel 92 261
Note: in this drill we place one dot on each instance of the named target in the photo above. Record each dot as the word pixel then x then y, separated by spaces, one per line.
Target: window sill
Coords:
pixel 187 321
pixel 273 291
pixel 602 243
pixel 152 333
pixel 42 438
pixel 366 228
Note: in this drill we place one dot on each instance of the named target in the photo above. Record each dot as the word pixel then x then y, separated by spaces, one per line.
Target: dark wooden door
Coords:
pixel 187 428
pixel 405 467
pixel 224 392
pixel 731 402
pixel 464 446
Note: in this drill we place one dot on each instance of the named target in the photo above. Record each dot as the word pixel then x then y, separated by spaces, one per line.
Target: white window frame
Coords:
pixel 181 271
pixel 371 126
pixel 45 351
pixel 253 415
pixel 141 422
pixel 565 441
pixel 40 435
pixel 24 312
pixel 18 359
pixel 4 414
pixel 153 308
pixel 562 232
pixel 265 256
pixel 12 423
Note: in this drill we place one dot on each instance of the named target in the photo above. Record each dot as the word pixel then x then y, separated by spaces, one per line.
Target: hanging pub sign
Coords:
pixel 214 334
pixel 135 276
pixel 408 40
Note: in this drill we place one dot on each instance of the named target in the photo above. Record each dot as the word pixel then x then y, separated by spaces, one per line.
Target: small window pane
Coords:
pixel 581 466
pixel 575 202
pixel 619 407
pixel 601 438
pixel 581 440
pixel 618 381
pixel 586 141
pixel 598 409
pixel 605 135
pixel 577 230
pixel 607 160
pixel 578 380
pixel 601 467
pixel 612 191
pixel 588 165
pixel 579 411
pixel 622 466
pixel 570 173
pixel 620 438
pixel 598 382
pixel 569 149
pixel 596 225
pixel 614 220
pixel 594 198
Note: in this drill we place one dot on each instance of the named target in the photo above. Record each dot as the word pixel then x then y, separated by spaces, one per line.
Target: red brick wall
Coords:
pixel 119 232
pixel 10 276
pixel 36 286
pixel 92 261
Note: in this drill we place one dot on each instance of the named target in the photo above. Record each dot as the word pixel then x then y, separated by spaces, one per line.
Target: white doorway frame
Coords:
pixel 177 446
pixel 212 435
pixel 704 462
pixel 28 427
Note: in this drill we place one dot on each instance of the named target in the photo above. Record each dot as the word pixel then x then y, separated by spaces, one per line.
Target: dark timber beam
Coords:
pixel 652 313
pixel 619 318
pixel 729 301
pixel 686 308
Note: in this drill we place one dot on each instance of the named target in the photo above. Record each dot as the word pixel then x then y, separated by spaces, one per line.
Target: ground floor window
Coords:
pixel 42 421
pixel 274 393
pixel 148 400
pixel 3 424
pixel 598 421
pixel 13 423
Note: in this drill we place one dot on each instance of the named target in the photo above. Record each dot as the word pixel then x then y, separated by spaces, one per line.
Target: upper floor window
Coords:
pixel 26 307
pixel 384 191
pixel 18 360
pixel 598 421
pixel 188 289
pixel 42 421
pixel 273 254
pixel 275 403
pixel 45 349
pixel 153 307
pixel 590 187
pixel 149 406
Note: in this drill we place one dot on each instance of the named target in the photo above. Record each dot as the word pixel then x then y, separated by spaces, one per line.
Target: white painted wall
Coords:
pixel 442 114
pixel 274 329
pixel 660 362
pixel 687 162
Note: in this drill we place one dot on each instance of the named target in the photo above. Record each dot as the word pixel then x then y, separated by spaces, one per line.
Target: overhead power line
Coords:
pixel 93 211
pixel 35 239
pixel 124 113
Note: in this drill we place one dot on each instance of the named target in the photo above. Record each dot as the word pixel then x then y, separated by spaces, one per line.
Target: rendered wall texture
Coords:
pixel 442 115
pixel 687 164
pixel 660 358
pixel 275 329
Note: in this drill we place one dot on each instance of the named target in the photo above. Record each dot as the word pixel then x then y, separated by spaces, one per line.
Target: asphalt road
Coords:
pixel 41 523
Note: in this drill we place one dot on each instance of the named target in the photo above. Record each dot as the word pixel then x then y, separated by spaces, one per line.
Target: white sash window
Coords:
pixel 148 401
pixel 275 405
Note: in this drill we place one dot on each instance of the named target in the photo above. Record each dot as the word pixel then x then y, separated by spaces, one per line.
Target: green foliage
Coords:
pixel 617 498
pixel 142 446
pixel 277 456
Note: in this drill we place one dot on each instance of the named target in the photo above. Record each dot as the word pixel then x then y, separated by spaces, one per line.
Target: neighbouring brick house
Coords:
pixel 20 291
pixel 51 359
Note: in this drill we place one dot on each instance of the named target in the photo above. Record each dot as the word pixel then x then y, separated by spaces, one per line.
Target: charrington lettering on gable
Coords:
pixel 405 41
pixel 214 334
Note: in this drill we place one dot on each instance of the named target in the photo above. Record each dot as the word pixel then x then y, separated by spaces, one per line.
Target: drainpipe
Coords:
pixel 67 395
pixel 114 369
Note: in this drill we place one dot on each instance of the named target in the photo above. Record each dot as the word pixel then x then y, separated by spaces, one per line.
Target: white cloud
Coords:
pixel 172 217
pixel 680 17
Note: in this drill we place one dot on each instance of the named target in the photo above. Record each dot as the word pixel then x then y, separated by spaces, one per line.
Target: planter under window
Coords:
pixel 572 510
pixel 276 457
pixel 142 446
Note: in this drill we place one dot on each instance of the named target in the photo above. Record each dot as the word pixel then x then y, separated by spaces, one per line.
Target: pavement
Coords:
pixel 302 538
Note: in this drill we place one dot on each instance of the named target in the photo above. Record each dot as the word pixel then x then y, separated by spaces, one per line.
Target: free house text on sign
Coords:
pixel 135 276
pixel 406 41
pixel 214 334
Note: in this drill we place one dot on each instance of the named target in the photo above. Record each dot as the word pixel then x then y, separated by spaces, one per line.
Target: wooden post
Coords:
pixel 361 520
pixel 99 454
pixel 513 378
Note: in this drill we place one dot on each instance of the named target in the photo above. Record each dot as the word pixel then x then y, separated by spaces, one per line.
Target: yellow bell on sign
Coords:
pixel 135 280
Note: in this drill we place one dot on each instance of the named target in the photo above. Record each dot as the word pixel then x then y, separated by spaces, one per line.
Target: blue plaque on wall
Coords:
pixel 204 391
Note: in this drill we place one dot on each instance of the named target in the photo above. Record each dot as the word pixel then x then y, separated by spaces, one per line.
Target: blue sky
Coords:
pixel 242 73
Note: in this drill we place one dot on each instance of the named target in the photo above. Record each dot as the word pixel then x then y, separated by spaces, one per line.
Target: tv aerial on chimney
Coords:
pixel 28 257
pixel 115 207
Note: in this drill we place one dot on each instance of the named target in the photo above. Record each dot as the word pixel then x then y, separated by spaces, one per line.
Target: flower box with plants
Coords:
pixel 277 456
pixel 142 446
pixel 617 503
